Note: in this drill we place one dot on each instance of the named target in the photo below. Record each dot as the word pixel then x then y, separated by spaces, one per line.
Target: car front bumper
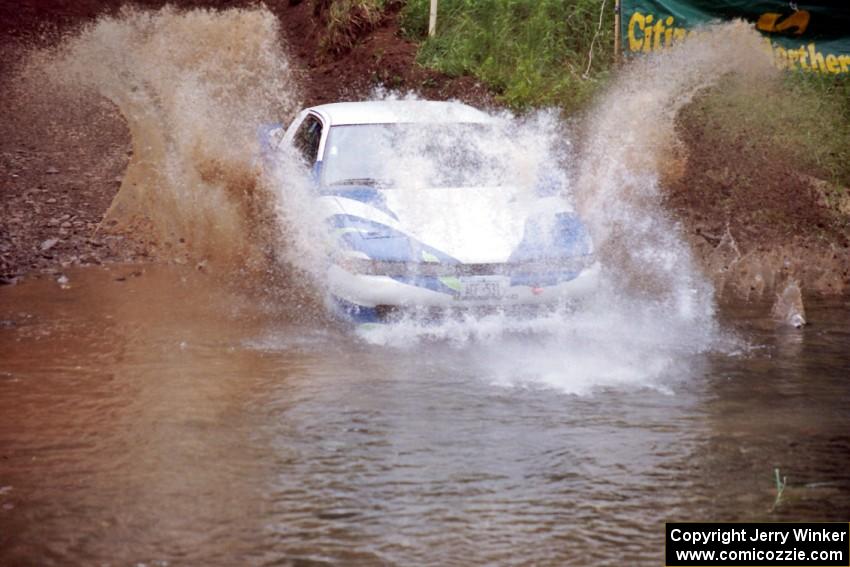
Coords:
pixel 368 297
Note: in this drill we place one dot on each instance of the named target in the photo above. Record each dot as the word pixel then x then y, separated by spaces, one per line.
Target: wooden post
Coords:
pixel 432 20
pixel 617 8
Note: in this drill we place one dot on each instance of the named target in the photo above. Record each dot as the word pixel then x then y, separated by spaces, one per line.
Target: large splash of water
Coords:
pixel 631 139
pixel 193 87
pixel 655 309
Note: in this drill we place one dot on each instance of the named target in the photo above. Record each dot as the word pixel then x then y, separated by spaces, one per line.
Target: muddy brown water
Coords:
pixel 155 418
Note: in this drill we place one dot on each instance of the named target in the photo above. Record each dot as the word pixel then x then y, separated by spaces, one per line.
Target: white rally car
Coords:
pixel 419 203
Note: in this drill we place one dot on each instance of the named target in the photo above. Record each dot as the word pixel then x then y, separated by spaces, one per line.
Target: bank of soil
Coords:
pixel 382 58
pixel 60 167
pixel 752 218
pixel 752 214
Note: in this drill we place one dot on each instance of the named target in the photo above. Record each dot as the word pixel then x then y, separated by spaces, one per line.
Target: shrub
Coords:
pixel 531 52
pixel 348 20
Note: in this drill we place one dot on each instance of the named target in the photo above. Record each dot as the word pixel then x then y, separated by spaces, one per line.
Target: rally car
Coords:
pixel 424 216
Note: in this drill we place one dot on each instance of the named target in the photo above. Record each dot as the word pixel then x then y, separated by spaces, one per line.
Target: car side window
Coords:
pixel 307 138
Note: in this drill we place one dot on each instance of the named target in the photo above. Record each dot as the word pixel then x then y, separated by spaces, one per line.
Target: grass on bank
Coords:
pixel 347 20
pixel 805 115
pixel 535 53
pixel 530 52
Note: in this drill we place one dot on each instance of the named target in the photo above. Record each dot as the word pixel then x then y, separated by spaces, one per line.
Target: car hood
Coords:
pixel 461 224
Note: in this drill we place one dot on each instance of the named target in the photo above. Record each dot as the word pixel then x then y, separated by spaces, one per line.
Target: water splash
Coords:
pixel 632 138
pixel 193 87
pixel 655 310
pixel 788 308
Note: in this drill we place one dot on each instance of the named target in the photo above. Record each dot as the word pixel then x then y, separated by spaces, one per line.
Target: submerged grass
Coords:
pixel 781 483
pixel 530 52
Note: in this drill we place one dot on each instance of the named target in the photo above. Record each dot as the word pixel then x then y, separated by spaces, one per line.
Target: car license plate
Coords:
pixel 481 288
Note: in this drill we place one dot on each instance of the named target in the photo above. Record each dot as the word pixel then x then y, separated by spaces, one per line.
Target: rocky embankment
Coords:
pixel 60 170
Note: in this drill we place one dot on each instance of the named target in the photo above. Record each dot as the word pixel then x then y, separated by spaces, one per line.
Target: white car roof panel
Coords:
pixel 400 111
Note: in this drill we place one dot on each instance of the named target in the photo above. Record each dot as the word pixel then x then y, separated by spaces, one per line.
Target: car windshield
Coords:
pixel 415 155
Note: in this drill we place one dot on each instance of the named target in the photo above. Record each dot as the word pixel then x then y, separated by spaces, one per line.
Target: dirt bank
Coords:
pixel 752 216
pixel 63 165
pixel 60 169
pixel 380 58
pixel 754 213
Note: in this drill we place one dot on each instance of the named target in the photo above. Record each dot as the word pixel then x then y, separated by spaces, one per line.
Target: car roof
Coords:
pixel 399 111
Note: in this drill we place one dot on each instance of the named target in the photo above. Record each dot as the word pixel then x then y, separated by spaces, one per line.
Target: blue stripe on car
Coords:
pixel 382 242
pixel 366 195
pixel 566 237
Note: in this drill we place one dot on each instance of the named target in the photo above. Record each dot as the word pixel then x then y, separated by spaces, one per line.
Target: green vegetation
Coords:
pixel 822 123
pixel 781 483
pixel 806 116
pixel 531 52
pixel 560 52
pixel 347 20
pixel 534 53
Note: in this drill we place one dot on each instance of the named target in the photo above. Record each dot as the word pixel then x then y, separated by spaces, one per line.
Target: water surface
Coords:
pixel 150 416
